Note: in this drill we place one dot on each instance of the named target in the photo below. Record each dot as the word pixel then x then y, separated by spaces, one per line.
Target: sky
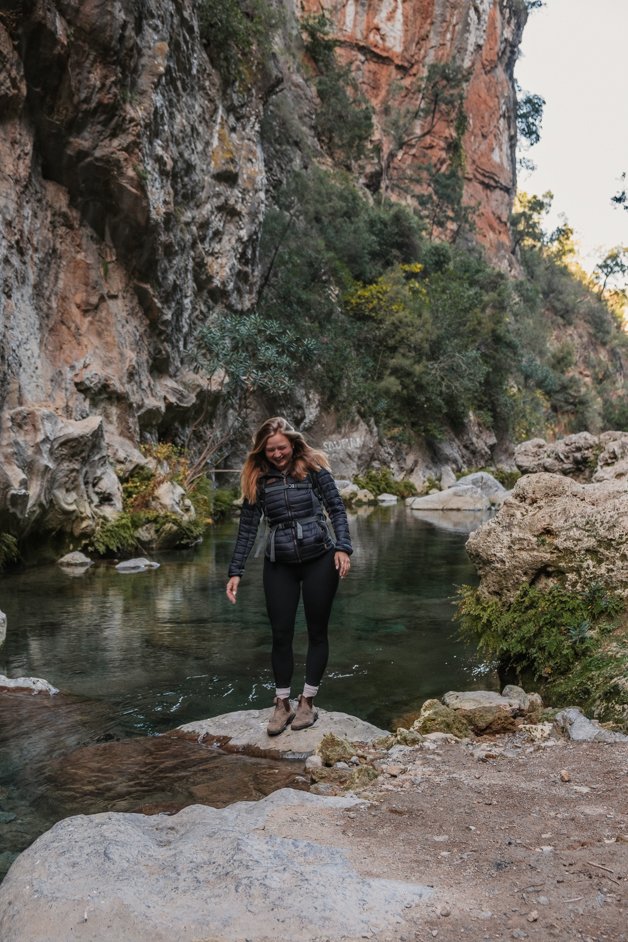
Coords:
pixel 575 54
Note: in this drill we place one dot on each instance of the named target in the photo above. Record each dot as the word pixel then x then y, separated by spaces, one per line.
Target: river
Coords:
pixel 135 655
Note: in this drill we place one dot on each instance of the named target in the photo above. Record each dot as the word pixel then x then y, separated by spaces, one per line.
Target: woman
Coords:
pixel 290 483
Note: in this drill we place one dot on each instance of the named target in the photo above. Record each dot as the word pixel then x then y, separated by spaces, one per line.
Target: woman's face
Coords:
pixel 278 451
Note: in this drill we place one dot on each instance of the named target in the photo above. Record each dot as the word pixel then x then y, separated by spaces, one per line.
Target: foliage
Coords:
pixel 238 36
pixel 529 115
pixel 344 119
pixel 557 636
pixel 438 98
pixel 250 354
pixel 222 502
pixel 9 552
pixel 113 537
pixel 381 481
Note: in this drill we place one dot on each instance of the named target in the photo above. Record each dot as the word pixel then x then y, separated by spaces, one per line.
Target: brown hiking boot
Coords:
pixel 283 715
pixel 306 715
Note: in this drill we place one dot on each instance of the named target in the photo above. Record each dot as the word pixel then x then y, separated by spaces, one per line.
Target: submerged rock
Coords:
pixel 141 564
pixel 226 874
pixel 34 684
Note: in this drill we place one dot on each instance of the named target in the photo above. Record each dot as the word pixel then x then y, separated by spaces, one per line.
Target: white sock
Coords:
pixel 309 690
pixel 282 693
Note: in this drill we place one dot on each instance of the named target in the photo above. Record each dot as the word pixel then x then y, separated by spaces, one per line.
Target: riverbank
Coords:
pixel 492 839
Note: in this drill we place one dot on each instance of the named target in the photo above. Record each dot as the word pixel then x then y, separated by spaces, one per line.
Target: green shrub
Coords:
pixel 9 552
pixel 381 481
pixel 238 36
pixel 572 642
pixel 113 537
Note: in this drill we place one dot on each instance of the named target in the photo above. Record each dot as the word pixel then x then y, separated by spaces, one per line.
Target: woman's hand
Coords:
pixel 232 588
pixel 342 564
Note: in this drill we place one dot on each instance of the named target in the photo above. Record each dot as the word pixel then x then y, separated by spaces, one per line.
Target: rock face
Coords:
pixel 133 191
pixel 550 528
pixel 583 456
pixel 390 45
pixel 205 873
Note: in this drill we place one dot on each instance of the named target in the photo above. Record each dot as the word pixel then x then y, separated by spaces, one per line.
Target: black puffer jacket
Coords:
pixel 293 510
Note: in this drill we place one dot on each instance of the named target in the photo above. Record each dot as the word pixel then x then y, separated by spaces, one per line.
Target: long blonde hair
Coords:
pixel 304 458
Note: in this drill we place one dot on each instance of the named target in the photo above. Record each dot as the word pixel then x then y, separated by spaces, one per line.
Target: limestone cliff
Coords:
pixel 133 184
pixel 392 47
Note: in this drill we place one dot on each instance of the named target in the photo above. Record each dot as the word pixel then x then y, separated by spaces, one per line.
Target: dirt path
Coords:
pixel 511 849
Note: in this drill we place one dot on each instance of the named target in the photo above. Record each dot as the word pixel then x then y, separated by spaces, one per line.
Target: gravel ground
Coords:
pixel 518 841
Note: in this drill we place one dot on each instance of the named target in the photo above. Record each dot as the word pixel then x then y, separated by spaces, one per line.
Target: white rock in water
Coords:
pixel 489 486
pixel 75 559
pixel 458 497
pixel 136 565
pixel 387 499
pixel 34 684
pixel 227 874
pixel 3 627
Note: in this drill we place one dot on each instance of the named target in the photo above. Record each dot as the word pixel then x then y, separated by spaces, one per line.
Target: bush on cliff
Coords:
pixel 574 643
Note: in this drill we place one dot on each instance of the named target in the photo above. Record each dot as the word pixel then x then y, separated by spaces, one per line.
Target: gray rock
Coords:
pixel 141 564
pixel 581 456
pixel 226 874
pixel 456 521
pixel 577 727
pixel 80 560
pixel 458 497
pixel 488 485
pixel 3 627
pixel 551 529
pixel 387 499
pixel 245 731
pixel 34 684
pixel 474 699
pixel 447 477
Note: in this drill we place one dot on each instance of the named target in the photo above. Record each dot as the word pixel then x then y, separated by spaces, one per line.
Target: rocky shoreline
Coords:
pixel 401 834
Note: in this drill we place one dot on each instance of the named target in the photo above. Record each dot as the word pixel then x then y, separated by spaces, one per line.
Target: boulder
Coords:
pixel 580 729
pixel 582 456
pixel 552 528
pixel 435 717
pixel 206 873
pixel 484 710
pixel 245 731
pixel 3 627
pixel 75 560
pixel 456 521
pixel 363 496
pixel 34 684
pixel 458 497
pixel 488 485
pixel 171 498
pixel 332 749
pixel 55 473
pixel 387 498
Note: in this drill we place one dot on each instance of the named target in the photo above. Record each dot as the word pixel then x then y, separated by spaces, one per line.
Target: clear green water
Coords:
pixel 139 654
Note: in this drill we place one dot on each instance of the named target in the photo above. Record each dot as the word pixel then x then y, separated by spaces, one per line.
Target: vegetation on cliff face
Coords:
pixel 359 306
pixel 574 643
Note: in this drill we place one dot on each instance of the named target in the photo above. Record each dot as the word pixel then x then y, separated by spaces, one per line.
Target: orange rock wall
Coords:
pixel 390 44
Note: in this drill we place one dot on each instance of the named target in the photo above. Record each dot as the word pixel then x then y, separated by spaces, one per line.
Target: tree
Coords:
pixel 613 269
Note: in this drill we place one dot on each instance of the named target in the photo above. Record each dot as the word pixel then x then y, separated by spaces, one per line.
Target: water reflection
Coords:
pixel 140 654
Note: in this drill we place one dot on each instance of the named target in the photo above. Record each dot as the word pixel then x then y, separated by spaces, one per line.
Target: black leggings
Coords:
pixel 282 586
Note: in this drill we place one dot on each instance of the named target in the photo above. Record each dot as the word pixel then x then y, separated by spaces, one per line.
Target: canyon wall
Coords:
pixel 133 185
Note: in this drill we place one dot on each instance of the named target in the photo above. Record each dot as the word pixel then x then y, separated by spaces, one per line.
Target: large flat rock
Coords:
pixel 208 874
pixel 245 731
